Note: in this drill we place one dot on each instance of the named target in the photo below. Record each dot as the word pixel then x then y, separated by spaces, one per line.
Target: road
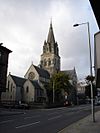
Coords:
pixel 42 120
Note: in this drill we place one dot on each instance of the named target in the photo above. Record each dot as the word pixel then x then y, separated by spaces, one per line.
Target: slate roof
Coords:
pixel 70 73
pixel 36 84
pixel 2 48
pixel 19 81
pixel 42 73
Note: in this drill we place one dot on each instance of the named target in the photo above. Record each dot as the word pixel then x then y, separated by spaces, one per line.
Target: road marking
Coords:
pixel 30 124
pixel 6 121
pixel 32 117
pixel 56 117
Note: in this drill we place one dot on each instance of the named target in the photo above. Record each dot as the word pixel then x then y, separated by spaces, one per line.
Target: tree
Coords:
pixel 90 78
pixel 61 84
pixel 88 87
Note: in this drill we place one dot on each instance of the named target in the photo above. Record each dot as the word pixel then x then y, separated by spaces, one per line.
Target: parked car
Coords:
pixel 22 106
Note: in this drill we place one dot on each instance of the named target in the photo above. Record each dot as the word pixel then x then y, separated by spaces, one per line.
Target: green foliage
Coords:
pixel 88 90
pixel 90 78
pixel 60 83
pixel 88 87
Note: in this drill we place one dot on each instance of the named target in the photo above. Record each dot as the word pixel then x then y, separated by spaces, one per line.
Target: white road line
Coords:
pixel 6 121
pixel 32 117
pixel 30 124
pixel 56 117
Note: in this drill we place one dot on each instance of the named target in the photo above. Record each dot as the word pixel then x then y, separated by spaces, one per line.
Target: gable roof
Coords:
pixel 42 73
pixel 71 73
pixel 35 84
pixel 2 48
pixel 18 80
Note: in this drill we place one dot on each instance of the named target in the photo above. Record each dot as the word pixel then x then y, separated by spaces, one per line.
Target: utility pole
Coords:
pixel 53 92
pixel 91 74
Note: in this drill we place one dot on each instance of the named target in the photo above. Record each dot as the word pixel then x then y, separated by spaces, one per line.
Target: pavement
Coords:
pixel 85 125
pixel 6 112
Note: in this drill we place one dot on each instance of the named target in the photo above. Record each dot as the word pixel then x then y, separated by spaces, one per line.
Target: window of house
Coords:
pixel 27 89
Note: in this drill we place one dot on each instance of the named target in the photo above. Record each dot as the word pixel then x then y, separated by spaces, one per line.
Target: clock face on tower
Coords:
pixel 31 75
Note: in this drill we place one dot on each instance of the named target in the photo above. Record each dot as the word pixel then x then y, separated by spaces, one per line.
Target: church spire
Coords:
pixel 50 59
pixel 51 38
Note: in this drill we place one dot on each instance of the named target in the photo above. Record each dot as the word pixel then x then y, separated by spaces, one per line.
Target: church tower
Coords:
pixel 50 59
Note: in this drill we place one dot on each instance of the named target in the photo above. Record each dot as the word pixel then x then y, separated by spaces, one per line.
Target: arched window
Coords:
pixel 47 49
pixel 45 63
pixel 11 86
pixel 11 97
pixel 49 62
pixel 27 89
pixel 41 62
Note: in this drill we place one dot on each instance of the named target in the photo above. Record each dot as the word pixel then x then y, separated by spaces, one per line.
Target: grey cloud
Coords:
pixel 24 27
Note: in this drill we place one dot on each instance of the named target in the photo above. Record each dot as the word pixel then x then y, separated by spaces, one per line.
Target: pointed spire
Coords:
pixel 51 38
pixel 51 23
pixel 31 62
pixel 45 42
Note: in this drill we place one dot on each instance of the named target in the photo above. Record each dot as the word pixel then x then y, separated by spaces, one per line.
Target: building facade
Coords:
pixel 21 90
pixel 4 54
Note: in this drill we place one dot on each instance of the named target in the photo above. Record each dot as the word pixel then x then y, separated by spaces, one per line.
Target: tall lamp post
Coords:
pixel 91 74
pixel 53 92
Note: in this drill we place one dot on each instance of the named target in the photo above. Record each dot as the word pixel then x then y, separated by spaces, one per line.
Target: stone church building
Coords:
pixel 31 87
pixel 50 59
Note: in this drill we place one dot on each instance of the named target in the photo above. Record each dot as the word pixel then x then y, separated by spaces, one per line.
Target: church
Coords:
pixel 31 88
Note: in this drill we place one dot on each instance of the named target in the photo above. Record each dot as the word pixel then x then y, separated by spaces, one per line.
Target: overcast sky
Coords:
pixel 24 25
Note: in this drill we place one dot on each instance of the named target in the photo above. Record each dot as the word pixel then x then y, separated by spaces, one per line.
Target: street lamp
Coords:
pixel 53 92
pixel 91 74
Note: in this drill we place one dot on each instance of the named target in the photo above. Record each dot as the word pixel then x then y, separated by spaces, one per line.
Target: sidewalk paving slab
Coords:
pixel 85 125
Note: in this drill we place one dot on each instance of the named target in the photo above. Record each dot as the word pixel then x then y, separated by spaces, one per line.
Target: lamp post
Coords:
pixel 91 74
pixel 53 92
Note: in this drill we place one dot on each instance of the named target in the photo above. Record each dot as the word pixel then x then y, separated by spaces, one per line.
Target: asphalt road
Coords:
pixel 43 120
